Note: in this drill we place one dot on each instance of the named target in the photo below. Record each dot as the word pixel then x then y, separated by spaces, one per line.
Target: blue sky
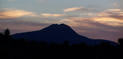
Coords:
pixel 87 17
pixel 56 6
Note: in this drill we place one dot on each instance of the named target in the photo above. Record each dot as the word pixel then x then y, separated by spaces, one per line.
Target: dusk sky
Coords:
pixel 97 19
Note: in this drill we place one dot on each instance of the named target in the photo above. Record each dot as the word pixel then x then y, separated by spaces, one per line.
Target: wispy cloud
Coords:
pixel 52 15
pixel 78 9
pixel 109 23
pixel 110 17
pixel 14 13
pixel 21 26
pixel 110 28
pixel 113 13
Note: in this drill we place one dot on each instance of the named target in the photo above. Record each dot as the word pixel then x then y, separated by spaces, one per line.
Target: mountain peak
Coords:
pixel 59 28
pixel 63 25
pixel 57 33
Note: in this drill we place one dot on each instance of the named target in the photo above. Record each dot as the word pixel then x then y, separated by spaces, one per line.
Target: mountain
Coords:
pixel 57 33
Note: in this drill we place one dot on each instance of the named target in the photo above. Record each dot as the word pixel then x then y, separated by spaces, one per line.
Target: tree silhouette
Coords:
pixel 120 48
pixel 120 40
pixel 22 49
pixel 1 36
pixel 66 43
pixel 7 34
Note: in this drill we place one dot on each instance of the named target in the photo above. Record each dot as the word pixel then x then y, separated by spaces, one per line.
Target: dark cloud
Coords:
pixel 100 31
pixel 93 28
pixel 117 16
pixel 115 13
pixel 21 26
pixel 107 26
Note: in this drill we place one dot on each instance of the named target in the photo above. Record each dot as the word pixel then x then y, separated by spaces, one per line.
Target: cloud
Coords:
pixel 112 17
pixel 108 22
pixel 78 9
pixel 114 10
pixel 103 28
pixel 87 22
pixel 113 13
pixel 109 17
pixel 52 15
pixel 22 26
pixel 14 13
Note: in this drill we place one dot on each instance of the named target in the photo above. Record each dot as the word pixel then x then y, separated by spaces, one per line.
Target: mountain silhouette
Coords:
pixel 58 33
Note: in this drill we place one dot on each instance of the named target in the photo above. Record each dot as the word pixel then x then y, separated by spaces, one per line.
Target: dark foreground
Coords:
pixel 21 49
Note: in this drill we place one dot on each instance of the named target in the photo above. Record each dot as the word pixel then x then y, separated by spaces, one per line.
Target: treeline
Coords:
pixel 20 49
